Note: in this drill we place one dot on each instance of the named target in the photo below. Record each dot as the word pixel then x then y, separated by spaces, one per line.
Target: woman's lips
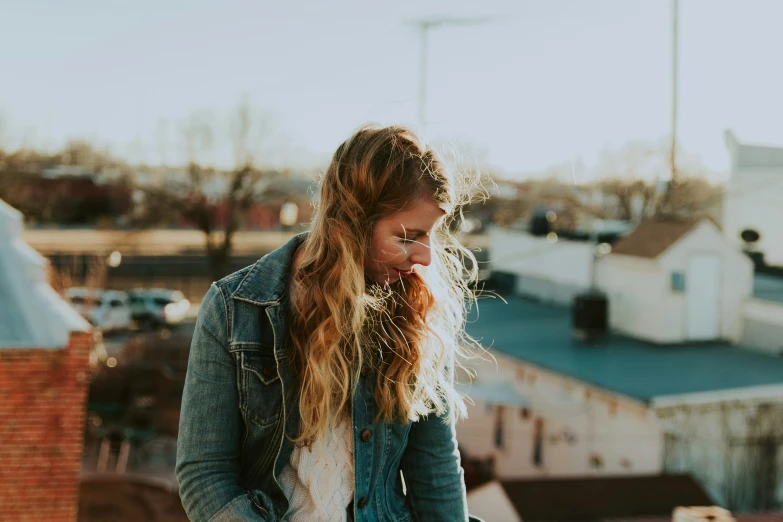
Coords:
pixel 404 273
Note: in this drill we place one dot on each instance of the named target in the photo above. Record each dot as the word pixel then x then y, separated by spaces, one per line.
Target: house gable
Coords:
pixel 654 237
pixel 705 236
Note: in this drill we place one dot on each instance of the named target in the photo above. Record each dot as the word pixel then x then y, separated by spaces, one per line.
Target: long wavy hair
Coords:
pixel 410 331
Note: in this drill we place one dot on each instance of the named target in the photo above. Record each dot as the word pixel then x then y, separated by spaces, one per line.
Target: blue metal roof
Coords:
pixel 541 335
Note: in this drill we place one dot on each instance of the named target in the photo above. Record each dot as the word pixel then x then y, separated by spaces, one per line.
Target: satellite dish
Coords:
pixel 749 235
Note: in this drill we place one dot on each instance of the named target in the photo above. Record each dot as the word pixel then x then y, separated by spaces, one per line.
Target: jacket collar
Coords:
pixel 267 280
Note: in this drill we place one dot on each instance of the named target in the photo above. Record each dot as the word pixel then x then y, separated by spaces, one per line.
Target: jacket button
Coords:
pixel 365 371
pixel 267 371
pixel 362 503
pixel 366 434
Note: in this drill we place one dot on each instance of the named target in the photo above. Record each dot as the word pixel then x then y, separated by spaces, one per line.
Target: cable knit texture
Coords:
pixel 319 484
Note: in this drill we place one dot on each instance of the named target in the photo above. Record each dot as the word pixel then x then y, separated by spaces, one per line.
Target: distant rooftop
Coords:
pixel 541 335
pixel 758 156
pixel 654 236
pixel 601 498
pixel 771 516
pixel 754 155
pixel 32 314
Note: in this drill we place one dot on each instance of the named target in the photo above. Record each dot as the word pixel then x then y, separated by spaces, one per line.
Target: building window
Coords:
pixel 678 282
pixel 538 443
pixel 499 438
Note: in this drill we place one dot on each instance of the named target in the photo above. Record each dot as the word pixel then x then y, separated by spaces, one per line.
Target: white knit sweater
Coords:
pixel 319 482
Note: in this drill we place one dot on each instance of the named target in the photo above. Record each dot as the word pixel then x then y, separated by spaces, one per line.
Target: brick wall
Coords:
pixel 42 408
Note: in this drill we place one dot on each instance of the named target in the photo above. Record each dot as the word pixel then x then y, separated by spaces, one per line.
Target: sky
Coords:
pixel 535 84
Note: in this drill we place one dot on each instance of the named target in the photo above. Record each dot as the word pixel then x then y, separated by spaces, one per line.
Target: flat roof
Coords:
pixel 601 498
pixel 541 335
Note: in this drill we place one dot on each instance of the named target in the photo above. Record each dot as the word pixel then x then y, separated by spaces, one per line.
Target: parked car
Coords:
pixel 109 310
pixel 157 307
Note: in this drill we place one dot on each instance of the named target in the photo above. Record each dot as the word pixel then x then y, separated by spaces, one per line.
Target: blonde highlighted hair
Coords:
pixel 410 331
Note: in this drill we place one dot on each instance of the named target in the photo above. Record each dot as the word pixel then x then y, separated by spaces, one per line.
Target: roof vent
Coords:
pixel 590 316
pixel 542 221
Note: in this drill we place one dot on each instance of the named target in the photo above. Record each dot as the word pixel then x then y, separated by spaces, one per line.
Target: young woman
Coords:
pixel 320 382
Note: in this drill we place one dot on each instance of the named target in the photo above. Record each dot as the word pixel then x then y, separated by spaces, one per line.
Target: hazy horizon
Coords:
pixel 540 84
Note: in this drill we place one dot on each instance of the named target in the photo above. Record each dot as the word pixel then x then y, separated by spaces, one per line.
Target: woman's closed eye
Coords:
pixel 412 236
pixel 417 238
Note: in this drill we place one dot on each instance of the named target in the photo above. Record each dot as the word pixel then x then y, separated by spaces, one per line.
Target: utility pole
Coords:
pixel 424 25
pixel 675 66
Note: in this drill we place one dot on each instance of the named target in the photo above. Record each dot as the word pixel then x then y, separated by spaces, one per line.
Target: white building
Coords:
pixel 763 330
pixel 646 277
pixel 566 428
pixel 552 271
pixel 646 399
pixel 753 196
pixel 677 280
pixel 625 407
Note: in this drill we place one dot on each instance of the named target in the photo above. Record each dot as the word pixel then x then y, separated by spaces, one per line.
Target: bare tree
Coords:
pixel 18 172
pixel 633 200
pixel 628 179
pixel 213 199
pixel 635 179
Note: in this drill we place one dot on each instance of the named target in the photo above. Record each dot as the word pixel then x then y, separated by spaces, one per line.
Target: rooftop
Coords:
pixel 33 314
pixel 541 335
pixel 754 155
pixel 598 498
pixel 771 516
pixel 654 236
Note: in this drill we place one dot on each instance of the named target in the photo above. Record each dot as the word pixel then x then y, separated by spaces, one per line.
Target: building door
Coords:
pixel 703 298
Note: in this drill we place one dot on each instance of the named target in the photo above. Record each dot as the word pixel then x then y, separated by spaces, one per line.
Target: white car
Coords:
pixel 109 310
pixel 157 307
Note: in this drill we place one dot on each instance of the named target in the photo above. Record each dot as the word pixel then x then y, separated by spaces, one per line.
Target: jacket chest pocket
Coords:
pixel 261 390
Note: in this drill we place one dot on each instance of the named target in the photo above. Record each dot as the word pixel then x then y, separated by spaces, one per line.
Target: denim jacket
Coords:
pixel 240 411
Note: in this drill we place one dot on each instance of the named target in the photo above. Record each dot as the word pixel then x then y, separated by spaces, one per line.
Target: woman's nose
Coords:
pixel 421 255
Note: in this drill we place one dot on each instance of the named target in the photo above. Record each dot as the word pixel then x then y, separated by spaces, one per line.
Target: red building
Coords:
pixel 44 367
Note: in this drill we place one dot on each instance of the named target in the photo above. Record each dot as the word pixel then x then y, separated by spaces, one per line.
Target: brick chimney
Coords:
pixel 44 354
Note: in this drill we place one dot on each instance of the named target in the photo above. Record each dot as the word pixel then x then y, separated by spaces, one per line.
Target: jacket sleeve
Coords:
pixel 208 444
pixel 434 479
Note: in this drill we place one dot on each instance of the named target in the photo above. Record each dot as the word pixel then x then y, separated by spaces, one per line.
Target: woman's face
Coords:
pixel 401 241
